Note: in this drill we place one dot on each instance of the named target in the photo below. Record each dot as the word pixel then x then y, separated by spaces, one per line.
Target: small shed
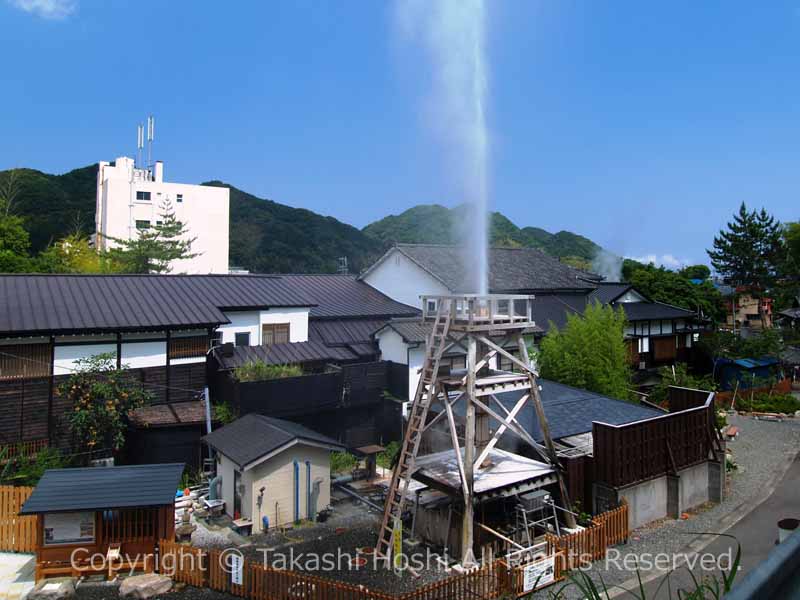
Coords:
pixel 102 519
pixel 272 468
pixel 748 372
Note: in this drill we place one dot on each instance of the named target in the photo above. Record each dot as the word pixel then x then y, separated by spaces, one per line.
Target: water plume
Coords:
pixel 453 34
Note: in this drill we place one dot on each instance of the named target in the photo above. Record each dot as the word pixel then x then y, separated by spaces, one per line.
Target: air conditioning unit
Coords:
pixel 102 462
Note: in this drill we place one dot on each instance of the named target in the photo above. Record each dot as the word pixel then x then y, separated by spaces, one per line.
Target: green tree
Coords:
pixel 662 285
pixel 747 252
pixel 589 353
pixel 74 254
pixel 156 247
pixel 701 272
pixel 102 396
pixel 791 242
pixel 14 244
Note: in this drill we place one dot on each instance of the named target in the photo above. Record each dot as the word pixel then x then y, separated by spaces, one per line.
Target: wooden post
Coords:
pixel 467 556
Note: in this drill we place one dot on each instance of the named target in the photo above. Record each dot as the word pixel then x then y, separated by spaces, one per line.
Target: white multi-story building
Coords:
pixel 130 199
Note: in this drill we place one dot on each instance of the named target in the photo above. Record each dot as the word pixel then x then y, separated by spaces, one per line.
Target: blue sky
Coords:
pixel 639 125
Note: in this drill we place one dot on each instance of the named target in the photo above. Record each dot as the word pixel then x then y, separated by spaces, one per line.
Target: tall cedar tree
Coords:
pixel 156 247
pixel 589 353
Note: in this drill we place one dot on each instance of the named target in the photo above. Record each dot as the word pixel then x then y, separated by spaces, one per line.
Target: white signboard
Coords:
pixel 69 528
pixel 237 567
pixel 539 574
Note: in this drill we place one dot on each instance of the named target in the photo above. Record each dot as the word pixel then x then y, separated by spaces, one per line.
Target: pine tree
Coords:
pixel 157 247
pixel 748 252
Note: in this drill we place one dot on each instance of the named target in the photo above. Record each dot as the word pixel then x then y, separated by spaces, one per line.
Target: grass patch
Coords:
pixel 258 371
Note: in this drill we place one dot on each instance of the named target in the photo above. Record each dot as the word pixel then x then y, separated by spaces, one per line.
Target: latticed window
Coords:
pixel 274 333
pixel 18 361
pixel 188 347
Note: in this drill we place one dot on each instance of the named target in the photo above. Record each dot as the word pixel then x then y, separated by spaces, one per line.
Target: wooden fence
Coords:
pixel 590 544
pixel 17 534
pixel 202 568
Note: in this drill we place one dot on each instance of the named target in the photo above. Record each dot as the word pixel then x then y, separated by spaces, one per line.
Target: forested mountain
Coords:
pixel 270 237
pixel 435 224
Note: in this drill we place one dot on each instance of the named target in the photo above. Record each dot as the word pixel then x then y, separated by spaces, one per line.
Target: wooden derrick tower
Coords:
pixel 471 322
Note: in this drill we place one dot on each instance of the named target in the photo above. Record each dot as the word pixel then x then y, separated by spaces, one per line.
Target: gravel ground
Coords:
pixel 326 550
pixel 762 450
pixel 110 591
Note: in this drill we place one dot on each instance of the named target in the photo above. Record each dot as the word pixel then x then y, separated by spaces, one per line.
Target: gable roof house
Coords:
pixel 272 468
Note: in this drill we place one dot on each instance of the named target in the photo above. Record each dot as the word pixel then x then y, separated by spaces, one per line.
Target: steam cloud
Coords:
pixel 453 33
pixel 607 265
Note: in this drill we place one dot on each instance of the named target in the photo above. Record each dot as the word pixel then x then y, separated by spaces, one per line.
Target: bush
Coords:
pixel 28 470
pixel 386 458
pixel 763 402
pixel 259 371
pixel 342 462
pixel 680 378
pixel 224 413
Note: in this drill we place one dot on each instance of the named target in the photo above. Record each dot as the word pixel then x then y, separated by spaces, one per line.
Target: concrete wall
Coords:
pixel 203 209
pixel 225 468
pixel 666 496
pixel 403 280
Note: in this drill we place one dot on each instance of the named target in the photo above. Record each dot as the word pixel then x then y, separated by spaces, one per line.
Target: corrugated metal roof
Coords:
pixel 254 436
pixel 413 331
pixel 510 269
pixel 344 331
pixel 337 296
pixel 56 304
pixel 63 490
pixel 283 354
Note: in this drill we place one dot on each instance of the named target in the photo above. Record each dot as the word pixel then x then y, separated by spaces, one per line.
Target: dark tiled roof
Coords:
pixel 94 303
pixel 642 311
pixel 283 354
pixel 413 331
pixel 792 313
pixel 553 309
pixel 95 488
pixel 608 292
pixel 791 355
pixel 571 411
pixel 510 269
pixel 253 436
pixel 343 331
pixel 177 413
pixel 339 296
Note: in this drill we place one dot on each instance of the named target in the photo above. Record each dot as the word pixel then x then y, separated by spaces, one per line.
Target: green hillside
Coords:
pixel 435 224
pixel 270 237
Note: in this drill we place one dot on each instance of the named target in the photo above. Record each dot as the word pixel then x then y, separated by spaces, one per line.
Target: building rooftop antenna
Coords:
pixel 139 143
pixel 151 134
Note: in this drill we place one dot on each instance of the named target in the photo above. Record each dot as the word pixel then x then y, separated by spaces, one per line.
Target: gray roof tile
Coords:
pixel 253 436
pixel 95 488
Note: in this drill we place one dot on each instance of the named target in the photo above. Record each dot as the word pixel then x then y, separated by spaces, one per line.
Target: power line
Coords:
pixel 73 370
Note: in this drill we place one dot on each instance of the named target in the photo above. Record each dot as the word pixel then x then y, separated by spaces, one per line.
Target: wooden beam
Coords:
pixel 435 419
pixel 454 438
pixel 501 430
pixel 516 428
pixel 500 535
pixel 526 368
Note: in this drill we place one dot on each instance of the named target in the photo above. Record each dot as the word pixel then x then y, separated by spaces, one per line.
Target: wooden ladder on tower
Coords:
pixel 425 394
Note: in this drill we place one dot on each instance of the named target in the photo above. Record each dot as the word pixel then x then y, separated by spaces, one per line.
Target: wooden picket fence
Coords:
pixel 202 568
pixel 590 544
pixel 17 534
pixel 207 568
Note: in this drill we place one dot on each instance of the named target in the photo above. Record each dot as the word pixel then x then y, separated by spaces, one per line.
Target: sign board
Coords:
pixel 539 574
pixel 236 565
pixel 397 539
pixel 68 528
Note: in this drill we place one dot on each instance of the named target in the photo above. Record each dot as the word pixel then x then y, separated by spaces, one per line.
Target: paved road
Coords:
pixel 756 532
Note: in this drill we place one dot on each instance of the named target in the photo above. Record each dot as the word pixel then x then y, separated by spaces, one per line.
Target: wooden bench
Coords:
pixel 731 432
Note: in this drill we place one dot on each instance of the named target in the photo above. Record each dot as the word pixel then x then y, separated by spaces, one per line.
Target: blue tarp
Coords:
pixel 747 371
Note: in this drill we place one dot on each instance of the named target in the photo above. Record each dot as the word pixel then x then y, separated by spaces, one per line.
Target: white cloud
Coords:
pixel 665 260
pixel 47 9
